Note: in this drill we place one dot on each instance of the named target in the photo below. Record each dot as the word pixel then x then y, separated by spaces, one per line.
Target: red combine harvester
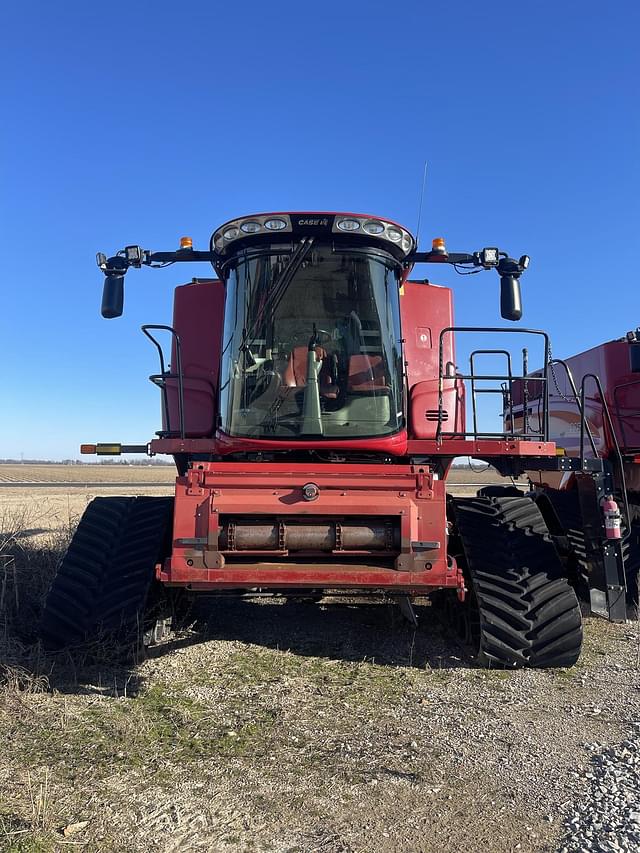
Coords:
pixel 313 408
pixel 594 416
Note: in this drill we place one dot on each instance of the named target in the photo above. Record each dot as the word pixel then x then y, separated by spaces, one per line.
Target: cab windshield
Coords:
pixel 312 348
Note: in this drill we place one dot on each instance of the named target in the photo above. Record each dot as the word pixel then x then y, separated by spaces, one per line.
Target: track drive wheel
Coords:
pixel 520 609
pixel 105 584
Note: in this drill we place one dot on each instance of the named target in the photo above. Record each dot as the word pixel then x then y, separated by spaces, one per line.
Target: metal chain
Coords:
pixel 575 400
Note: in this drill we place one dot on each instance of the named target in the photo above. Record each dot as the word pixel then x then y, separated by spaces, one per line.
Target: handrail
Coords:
pixel 475 378
pixel 165 374
pixel 614 438
pixel 543 433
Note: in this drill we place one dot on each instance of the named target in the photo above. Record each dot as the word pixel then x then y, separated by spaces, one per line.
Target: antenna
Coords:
pixel 424 181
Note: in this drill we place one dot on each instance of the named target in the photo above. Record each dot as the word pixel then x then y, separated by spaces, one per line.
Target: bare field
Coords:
pixel 47 498
pixel 54 473
pixel 41 511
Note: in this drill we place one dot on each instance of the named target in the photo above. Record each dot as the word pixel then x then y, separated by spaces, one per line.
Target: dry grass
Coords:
pixel 28 560
pixel 52 510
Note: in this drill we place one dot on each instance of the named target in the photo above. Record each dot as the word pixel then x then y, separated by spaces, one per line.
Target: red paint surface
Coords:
pixel 392 445
pixel 426 310
pixel 406 493
pixel 482 448
pixel 198 312
pixel 249 577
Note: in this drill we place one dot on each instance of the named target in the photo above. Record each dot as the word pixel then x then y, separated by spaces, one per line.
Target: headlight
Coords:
pixel 348 224
pixel 250 227
pixel 489 257
pixel 133 254
pixel 275 224
pixel 373 227
pixel 361 226
pixel 262 228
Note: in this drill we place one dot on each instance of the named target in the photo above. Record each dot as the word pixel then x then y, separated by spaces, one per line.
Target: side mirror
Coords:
pixel 510 297
pixel 113 296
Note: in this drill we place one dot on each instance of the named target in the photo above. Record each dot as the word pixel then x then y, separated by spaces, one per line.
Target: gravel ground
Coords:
pixel 298 728
pixel 608 818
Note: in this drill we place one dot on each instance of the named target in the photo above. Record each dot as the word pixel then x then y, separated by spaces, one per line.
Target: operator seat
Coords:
pixel 366 373
pixel 295 373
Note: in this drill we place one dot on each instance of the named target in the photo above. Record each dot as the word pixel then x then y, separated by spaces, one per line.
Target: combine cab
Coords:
pixel 313 408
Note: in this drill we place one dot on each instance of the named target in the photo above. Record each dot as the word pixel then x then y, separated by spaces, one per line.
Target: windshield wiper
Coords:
pixel 280 287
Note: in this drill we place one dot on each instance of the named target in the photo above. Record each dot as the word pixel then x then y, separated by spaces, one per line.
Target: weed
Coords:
pixel 19 835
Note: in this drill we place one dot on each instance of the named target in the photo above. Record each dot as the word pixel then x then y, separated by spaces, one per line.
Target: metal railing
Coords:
pixel 616 446
pixel 505 389
pixel 160 379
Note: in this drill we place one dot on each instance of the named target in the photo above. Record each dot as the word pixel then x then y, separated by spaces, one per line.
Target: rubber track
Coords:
pixel 529 614
pixel 566 509
pixel 104 578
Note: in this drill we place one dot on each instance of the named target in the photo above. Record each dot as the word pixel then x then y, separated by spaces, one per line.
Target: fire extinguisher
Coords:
pixel 612 517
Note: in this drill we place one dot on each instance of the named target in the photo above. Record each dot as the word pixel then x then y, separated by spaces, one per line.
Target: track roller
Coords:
pixel 105 583
pixel 520 609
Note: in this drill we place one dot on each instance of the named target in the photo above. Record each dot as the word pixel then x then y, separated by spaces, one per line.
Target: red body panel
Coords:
pixel 393 445
pixel 426 310
pixel 198 312
pixel 486 448
pixel 215 490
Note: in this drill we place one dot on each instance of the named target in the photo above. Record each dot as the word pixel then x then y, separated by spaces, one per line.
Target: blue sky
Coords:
pixel 140 122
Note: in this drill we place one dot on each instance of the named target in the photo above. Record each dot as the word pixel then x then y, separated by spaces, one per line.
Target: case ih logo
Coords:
pixel 313 221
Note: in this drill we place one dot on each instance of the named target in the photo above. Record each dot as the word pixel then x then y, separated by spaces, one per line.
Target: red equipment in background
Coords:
pixel 594 417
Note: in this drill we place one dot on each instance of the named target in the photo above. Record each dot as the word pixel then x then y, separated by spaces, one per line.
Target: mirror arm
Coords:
pixel 115 269
pixel 437 258
pixel 507 268
pixel 180 255
pixel 134 256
